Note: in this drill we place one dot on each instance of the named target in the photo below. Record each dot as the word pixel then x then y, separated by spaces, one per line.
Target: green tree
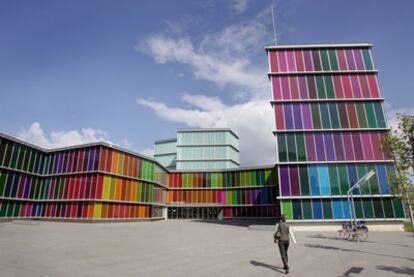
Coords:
pixel 399 144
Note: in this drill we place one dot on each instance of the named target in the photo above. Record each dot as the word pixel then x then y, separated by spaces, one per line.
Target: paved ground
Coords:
pixel 188 248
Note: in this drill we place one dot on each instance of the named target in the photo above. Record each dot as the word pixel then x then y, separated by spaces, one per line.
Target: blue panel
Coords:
pixel 324 180
pixel 313 174
pixel 345 208
pixel 382 178
pixel 317 209
pixel 337 209
pixel 353 177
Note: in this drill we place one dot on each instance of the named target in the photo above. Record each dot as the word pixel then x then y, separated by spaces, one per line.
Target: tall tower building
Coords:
pixel 329 120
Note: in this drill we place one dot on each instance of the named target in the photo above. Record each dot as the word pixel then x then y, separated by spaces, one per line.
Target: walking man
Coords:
pixel 282 235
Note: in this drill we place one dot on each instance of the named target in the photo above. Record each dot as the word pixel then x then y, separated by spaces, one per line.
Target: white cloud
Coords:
pixel 36 135
pixel 252 121
pixel 391 114
pixel 149 152
pixel 239 6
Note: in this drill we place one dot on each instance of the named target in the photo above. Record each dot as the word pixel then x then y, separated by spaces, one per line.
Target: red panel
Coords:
pixel 108 160
pixel 299 61
pixel 364 86
pixel 294 88
pixel 338 87
pixel 346 82
pixel 353 121
pixel 376 145
pixel 281 57
pixel 273 61
pixel 342 60
pixel 100 187
pixel 102 159
pixel 373 84
pixel 279 118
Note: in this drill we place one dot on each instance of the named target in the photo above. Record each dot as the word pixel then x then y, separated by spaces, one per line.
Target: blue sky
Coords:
pixel 132 72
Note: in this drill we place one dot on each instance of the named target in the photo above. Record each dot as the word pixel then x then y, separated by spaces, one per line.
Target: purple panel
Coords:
pixel 320 148
pixel 356 139
pixel 302 88
pixel 350 59
pixel 96 159
pixel 330 152
pixel 308 60
pixel 91 156
pixel 21 187
pixel 288 116
pixel 54 161
pixel 355 86
pixel 284 181
pixel 223 197
pixel 358 59
pixel 310 147
pixel 338 147
pixel 285 88
pixel 298 116
pixel 291 60
pixel 27 186
pixel 349 152
pixel 307 122
pixel 294 180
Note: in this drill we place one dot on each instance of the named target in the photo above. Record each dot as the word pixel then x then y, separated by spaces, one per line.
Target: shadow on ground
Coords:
pixel 276 268
pixel 327 247
pixel 399 270
pixel 238 222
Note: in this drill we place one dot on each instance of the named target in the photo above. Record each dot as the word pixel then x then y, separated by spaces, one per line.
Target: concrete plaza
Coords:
pixel 192 248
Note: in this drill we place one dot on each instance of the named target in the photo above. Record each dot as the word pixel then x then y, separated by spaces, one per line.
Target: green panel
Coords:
pixel 3 208
pixel 358 208
pixel 281 143
pixel 316 118
pixel 33 157
pixel 17 207
pixel 297 209
pixel 9 151
pixel 329 87
pixel 379 113
pixel 321 87
pixel 292 153
pixel 367 59
pixel 361 115
pixel 367 206
pixel 333 180
pixel 10 209
pixel 325 60
pixel 32 188
pixel 327 208
pixel 26 162
pixel 2 183
pixel 228 197
pixel 333 60
pixel 388 208
pixel 373 182
pixel 253 178
pixel 15 185
pixel 362 170
pixel 398 208
pixel 287 209
pixel 3 145
pixel 304 180
pixel 343 179
pixel 15 155
pixel 306 209
pixel 325 116
pixel 369 111
pixel 379 213
pixel 21 157
pixel 300 144
pixel 259 175
pixel 62 187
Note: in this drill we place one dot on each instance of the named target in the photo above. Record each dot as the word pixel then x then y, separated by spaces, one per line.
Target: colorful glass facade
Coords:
pixel 329 120
pixel 101 182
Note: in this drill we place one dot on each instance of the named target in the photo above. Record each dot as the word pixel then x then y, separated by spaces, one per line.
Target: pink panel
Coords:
pixel 291 60
pixel 342 60
pixel 349 151
pixel 368 154
pixel 281 57
pixel 373 84
pixel 299 61
pixel 294 88
pixel 279 118
pixel 364 86
pixel 310 147
pixel 277 93
pixel 285 88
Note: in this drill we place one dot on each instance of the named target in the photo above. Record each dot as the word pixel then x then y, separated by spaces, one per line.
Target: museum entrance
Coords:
pixel 193 212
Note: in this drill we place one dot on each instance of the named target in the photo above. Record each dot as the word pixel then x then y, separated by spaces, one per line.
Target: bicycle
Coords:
pixel 357 233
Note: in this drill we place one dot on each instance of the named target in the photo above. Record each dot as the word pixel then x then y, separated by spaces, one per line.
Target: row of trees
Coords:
pixel 399 143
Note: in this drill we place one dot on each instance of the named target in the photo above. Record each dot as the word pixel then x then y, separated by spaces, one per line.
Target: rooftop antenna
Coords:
pixel 274 24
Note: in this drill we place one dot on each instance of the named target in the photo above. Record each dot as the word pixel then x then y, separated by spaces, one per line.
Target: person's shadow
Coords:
pixel 276 268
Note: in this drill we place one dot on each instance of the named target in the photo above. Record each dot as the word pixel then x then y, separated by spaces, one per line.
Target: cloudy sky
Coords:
pixel 132 72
